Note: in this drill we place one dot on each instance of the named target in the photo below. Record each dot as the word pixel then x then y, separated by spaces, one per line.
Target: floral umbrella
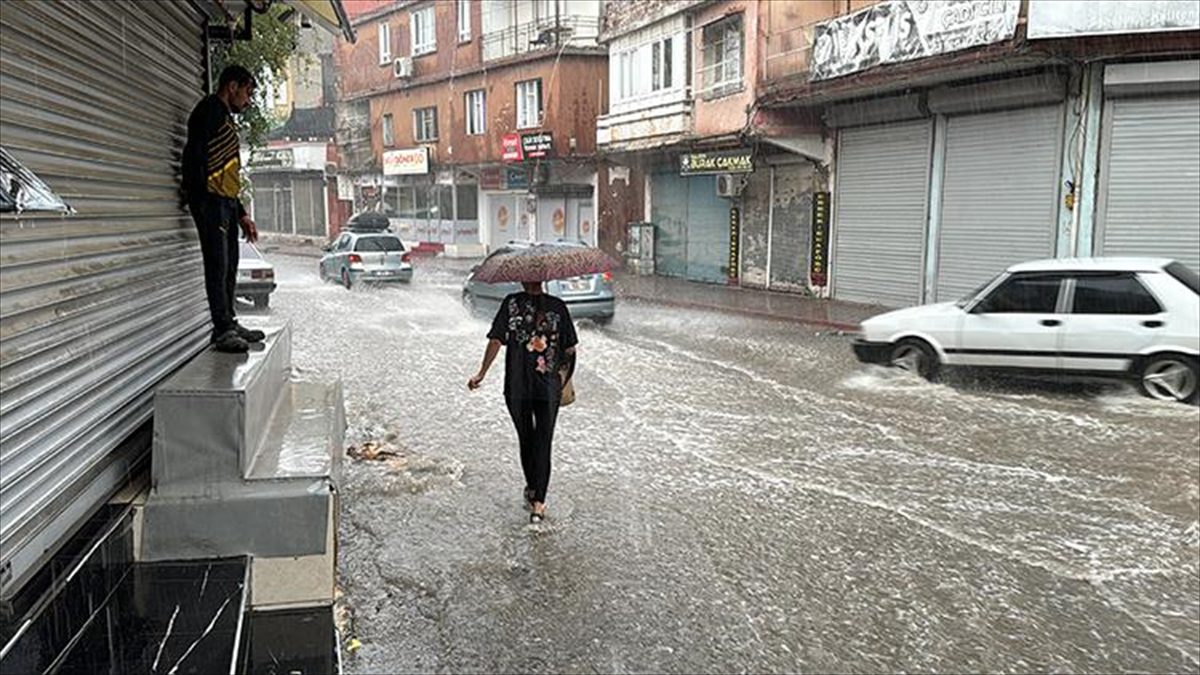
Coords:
pixel 543 262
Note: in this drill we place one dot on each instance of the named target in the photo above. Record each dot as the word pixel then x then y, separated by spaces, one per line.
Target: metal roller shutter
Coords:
pixel 95 307
pixel 881 212
pixel 1150 178
pixel 999 195
pixel 707 232
pixel 669 212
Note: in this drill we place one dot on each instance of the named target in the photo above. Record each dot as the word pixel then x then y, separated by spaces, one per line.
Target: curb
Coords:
pixel 823 323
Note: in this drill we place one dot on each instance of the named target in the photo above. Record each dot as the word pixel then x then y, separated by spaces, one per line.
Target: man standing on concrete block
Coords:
pixel 212 184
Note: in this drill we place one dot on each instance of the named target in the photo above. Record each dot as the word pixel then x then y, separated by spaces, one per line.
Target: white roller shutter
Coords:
pixel 1150 178
pixel 880 212
pixel 999 195
pixel 98 306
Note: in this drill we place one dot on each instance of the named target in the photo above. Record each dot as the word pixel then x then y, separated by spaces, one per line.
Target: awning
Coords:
pixel 329 14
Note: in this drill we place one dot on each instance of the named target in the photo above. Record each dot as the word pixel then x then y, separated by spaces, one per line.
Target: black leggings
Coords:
pixel 535 430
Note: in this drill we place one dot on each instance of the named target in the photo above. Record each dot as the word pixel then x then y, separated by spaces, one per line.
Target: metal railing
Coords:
pixel 544 33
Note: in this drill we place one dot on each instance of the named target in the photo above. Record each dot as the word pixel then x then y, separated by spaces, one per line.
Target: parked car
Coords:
pixel 1135 318
pixel 370 257
pixel 256 276
pixel 587 297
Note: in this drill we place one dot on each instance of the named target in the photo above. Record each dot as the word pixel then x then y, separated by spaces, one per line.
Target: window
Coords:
pixel 1116 294
pixel 476 105
pixel 389 131
pixel 424 33
pixel 425 124
pixel 1023 294
pixel 529 104
pixel 464 21
pixel 1184 275
pixel 722 72
pixel 660 65
pixel 385 43
pixel 645 69
pixel 372 244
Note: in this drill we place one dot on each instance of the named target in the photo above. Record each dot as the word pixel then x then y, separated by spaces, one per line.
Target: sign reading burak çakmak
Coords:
pixel 740 160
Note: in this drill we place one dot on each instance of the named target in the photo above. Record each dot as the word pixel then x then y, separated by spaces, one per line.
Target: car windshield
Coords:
pixel 368 244
pixel 966 299
pixel 1185 275
pixel 248 252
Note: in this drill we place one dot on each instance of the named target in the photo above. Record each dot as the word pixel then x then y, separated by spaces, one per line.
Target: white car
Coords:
pixel 256 276
pixel 1136 318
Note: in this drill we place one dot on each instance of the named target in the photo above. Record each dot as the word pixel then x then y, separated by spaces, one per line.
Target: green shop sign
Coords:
pixel 720 161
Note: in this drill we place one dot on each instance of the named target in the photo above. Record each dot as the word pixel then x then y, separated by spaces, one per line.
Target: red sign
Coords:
pixel 512 148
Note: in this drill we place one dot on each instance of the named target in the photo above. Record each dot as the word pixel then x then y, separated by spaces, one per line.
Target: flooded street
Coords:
pixel 738 495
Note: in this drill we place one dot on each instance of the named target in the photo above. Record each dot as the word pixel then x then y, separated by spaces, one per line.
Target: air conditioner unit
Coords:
pixel 730 185
pixel 402 68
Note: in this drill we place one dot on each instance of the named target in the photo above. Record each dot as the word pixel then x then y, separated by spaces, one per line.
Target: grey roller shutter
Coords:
pixel 1150 178
pixel 95 307
pixel 881 212
pixel 999 195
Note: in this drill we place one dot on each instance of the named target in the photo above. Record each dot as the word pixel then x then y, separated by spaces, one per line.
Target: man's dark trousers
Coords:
pixel 217 224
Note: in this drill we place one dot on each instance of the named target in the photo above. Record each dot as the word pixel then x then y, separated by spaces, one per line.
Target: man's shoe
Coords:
pixel 230 343
pixel 249 334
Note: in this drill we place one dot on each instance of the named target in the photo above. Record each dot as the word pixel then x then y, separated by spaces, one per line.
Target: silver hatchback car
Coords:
pixel 366 257
pixel 587 297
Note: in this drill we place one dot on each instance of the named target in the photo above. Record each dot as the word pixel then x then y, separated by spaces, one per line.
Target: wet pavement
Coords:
pixel 738 495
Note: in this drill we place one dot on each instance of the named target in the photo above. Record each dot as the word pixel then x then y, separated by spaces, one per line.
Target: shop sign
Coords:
pixel 818 270
pixel 445 177
pixel 895 31
pixel 1069 18
pixel 490 178
pixel 538 145
pixel 516 178
pixel 721 161
pixel 735 231
pixel 414 161
pixel 273 158
pixel 511 148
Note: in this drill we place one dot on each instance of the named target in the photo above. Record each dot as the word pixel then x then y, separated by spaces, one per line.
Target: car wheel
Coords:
pixel 603 320
pixel 468 301
pixel 1170 378
pixel 915 356
pixel 262 301
pixel 346 278
pixel 321 273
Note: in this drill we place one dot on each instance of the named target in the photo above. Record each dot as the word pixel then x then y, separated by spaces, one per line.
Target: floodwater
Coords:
pixel 739 495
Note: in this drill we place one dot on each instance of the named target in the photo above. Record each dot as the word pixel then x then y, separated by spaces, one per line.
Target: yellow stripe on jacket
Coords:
pixel 224 163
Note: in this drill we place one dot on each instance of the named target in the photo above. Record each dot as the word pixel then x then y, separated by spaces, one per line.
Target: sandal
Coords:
pixel 536 518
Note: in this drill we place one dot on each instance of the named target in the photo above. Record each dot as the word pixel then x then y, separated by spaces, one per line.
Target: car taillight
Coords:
pixel 355 258
pixel 608 277
pixel 406 257
pixel 257 274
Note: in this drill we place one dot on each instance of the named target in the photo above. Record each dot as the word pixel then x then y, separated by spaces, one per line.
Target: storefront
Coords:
pixel 290 189
pixel 695 210
pixel 776 224
pixel 534 197
pixel 938 191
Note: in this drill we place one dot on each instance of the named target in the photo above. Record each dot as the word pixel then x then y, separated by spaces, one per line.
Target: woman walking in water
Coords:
pixel 539 340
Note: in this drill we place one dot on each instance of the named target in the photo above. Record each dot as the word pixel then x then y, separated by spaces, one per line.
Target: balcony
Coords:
pixel 543 34
pixel 646 121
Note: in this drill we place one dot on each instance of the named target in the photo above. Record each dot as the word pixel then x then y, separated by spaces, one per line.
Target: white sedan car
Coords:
pixel 1135 318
